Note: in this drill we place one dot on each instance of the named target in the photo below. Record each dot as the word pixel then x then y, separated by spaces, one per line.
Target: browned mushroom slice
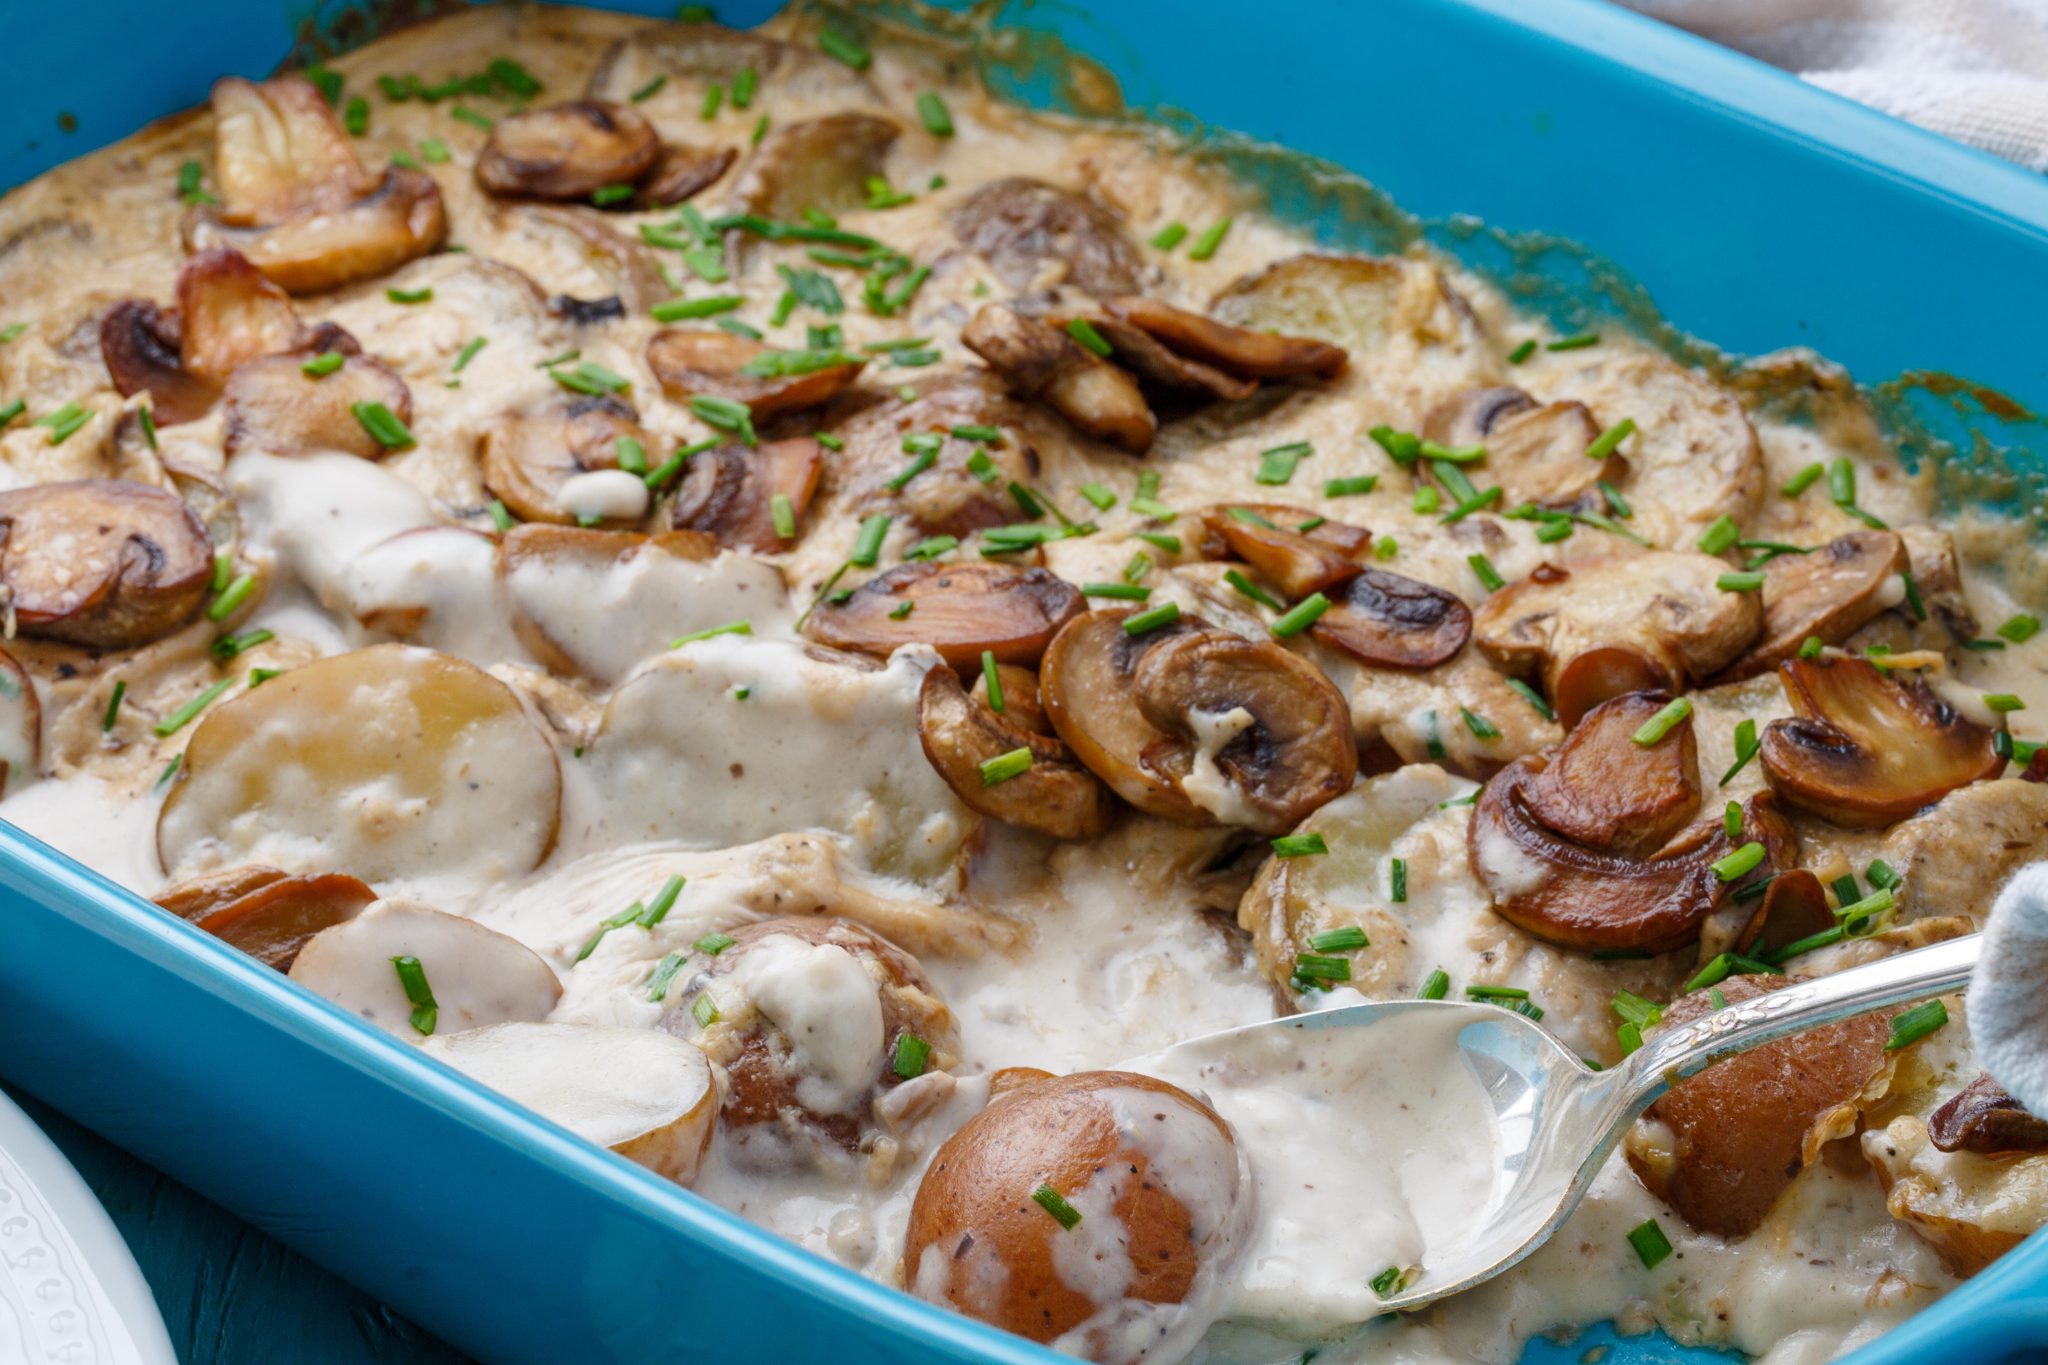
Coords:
pixel 1618 623
pixel 1536 451
pixel 1139 352
pixel 951 497
pixel 1985 1119
pixel 821 164
pixel 1830 593
pixel 101 562
pixel 1036 237
pixel 273 921
pixel 273 405
pixel 1055 796
pixel 1395 622
pixel 1042 361
pixel 729 493
pixel 1018 688
pixel 959 609
pixel 280 152
pixel 623 263
pixel 1296 563
pixel 1594 900
pixel 691 361
pixel 230 314
pixel 1238 350
pixel 566 151
pixel 402 218
pixel 529 457
pixel 1351 541
pixel 684 171
pixel 1605 791
pixel 1865 748
pixel 1266 737
pixel 1795 906
pixel 1722 1146
pixel 1088 683
pixel 198 897
pixel 140 343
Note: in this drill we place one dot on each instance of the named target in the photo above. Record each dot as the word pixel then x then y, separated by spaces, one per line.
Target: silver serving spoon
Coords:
pixel 1556 1119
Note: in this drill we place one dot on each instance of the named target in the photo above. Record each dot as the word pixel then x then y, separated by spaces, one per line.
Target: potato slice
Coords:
pixel 1971 1209
pixel 1954 858
pixel 595 603
pixel 101 562
pixel 566 151
pixel 394 761
pixel 477 976
pixel 821 164
pixel 961 610
pixel 434 586
pixel 1037 236
pixel 643 1094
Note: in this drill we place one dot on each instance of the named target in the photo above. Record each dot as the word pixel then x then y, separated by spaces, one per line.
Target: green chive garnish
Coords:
pixel 1910 1026
pixel 382 424
pixel 1003 767
pixel 836 44
pixel 1252 590
pixel 114 705
pixel 326 363
pixel 1746 748
pixel 1083 331
pixel 1718 537
pixel 1211 238
pixel 1741 862
pixel 1574 343
pixel 1147 621
pixel 1741 582
pixel 1301 615
pixel 413 978
pixel 1522 352
pixel 1397 878
pixel 1803 480
pixel 1300 846
pixel 938 119
pixel 1348 939
pixel 1489 576
pixel 1342 488
pixel 1436 985
pixel 1609 441
pixel 232 597
pixel 184 715
pixel 1063 1213
pixel 1660 725
pixel 913 1054
pixel 729 628
pixel 867 545
pixel 1533 697
pixel 1650 1243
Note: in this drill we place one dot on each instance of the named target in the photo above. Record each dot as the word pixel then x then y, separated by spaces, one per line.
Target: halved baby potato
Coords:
pixel 101 562
pixel 646 1095
pixel 392 761
pixel 475 976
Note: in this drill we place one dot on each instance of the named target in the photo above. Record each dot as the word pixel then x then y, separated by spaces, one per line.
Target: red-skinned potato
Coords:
pixel 980 1243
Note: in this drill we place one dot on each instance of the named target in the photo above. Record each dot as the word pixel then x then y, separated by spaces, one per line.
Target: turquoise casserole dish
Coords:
pixel 1748 208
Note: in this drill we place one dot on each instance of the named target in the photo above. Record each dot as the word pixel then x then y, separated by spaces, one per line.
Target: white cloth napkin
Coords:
pixel 1973 70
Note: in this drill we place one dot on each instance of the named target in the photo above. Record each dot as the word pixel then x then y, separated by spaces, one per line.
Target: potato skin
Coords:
pixel 980 1244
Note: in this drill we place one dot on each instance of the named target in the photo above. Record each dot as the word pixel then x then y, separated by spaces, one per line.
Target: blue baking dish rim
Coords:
pixel 2000 1309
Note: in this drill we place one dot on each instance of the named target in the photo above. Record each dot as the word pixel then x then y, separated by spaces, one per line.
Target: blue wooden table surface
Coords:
pixel 229 1294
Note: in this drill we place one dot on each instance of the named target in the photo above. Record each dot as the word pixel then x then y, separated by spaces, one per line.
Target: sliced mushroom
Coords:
pixel 1865 748
pixel 950 497
pixel 1138 351
pixel 1605 791
pixel 1938 576
pixel 274 406
pixel 683 172
pixel 400 220
pixel 690 361
pixel 623 263
pixel 1984 1118
pixel 1722 1146
pixel 1394 622
pixel 1594 898
pixel 1830 593
pixel 1234 350
pixel 529 458
pixel 280 152
pixel 567 151
pixel 821 164
pixel 1019 690
pixel 1795 906
pixel 1296 563
pixel 647 1095
pixel 266 914
pixel 1403 310
pixel 1088 684
pixel 1537 452
pixel 961 610
pixel 477 976
pixel 1038 237
pixel 1043 362
pixel 1263 737
pixel 1618 623
pixel 1348 540
pixel 729 493
pixel 140 345
pixel 1055 796
pixel 393 761
pixel 101 562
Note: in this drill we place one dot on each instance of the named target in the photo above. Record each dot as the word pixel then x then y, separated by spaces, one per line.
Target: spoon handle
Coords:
pixel 1897 980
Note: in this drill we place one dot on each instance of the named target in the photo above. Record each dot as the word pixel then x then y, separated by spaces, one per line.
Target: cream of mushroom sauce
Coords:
pixel 777 782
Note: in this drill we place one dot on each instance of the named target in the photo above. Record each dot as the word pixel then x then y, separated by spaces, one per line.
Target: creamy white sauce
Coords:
pixel 598 494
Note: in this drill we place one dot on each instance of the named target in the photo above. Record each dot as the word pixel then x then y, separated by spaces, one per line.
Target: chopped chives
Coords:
pixel 114 705
pixel 1389 1281
pixel 1652 1247
pixel 783 514
pixel 836 44
pixel 1211 238
pixel 412 978
pixel 1609 441
pixel 828 440
pixel 649 90
pixel 1480 726
pixel 229 647
pixel 932 110
pixel 1276 466
pixel 744 83
pixel 1718 537
pixel 729 628
pixel 1913 597
pixel 1882 875
pixel 223 570
pixel 713 943
pixel 1487 574
pixel 1153 509
pixel 1726 965
pixel 1099 497
pixel 433 150
pixel 1811 647
pixel 1746 748
pixel 410 295
pixel 679 310
pixel 1129 592
pixel 260 676
pixel 2020 628
pixel 184 715
pixel 1402 446
pixel 1348 939
pixel 1741 582
pixel 1003 767
pixel 919 463
pixel 1083 331
pixel 1137 566
pixel 1300 846
pixel 1616 503
pixel 231 597
pixel 473 118
pixel 1533 697
pixel 982 467
pixel 1063 1213
pixel 1842 482
pixel 1554 530
pixel 1301 615
pixel 1910 1026
pixel 1496 993
pixel 1313 971
pixel 1635 1010
pixel 931 547
pixel 1661 724
pixel 1740 863
pixel 1252 590
pixel 1436 985
pixel 1453 454
pixel 704 1010
pixel 1426 499
pixel 714 96
pixel 1574 343
pixel 1343 488
pixel 468 353
pixel 632 455
pixel 501 514
pixel 382 424
pixel 1147 621
pixel 901 611
pixel 1161 540
pixel 867 546
pixel 1397 880
pixel 2003 702
pixel 992 680
pixel 1170 236
pixel 913 1054
pixel 1435 741
pixel 326 363
pixel 1803 480
pixel 1731 819
pixel 1522 352
pixel 664 976
pixel 725 414
pixel 20 405
pixel 1487 499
